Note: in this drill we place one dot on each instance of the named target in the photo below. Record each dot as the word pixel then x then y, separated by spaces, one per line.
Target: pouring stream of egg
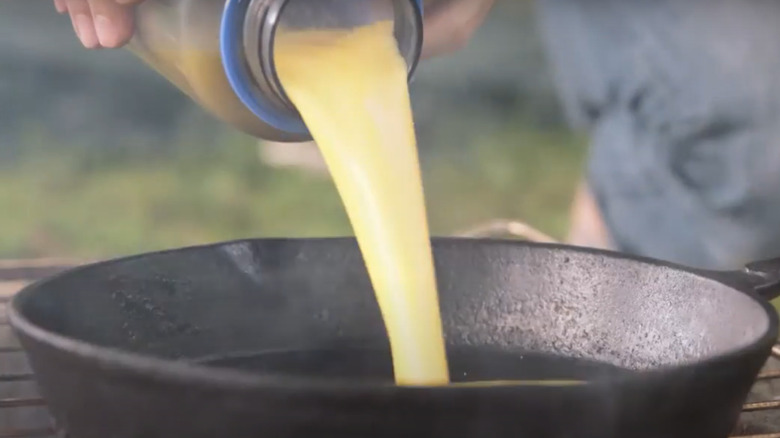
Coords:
pixel 351 89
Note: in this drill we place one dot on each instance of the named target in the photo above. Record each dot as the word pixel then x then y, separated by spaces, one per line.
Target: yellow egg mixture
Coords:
pixel 351 90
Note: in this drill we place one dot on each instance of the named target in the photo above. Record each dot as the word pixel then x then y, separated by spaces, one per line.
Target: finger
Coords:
pixel 81 17
pixel 113 22
pixel 61 6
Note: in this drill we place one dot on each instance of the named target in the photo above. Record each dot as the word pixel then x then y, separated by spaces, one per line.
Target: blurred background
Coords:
pixel 100 157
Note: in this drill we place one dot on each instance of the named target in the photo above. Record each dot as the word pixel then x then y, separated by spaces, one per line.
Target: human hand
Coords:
pixel 100 23
pixel 450 24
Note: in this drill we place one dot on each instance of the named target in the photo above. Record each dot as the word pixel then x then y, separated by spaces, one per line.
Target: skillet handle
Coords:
pixel 767 273
pixel 762 276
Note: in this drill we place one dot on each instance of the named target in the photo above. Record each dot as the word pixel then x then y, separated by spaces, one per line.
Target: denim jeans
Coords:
pixel 682 100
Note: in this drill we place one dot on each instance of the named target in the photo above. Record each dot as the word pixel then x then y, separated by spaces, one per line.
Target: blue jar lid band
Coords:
pixel 231 48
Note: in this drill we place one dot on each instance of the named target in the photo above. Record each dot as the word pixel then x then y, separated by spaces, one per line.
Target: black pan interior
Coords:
pixel 233 300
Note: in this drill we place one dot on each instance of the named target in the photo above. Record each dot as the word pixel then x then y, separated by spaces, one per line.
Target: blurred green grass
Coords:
pixel 69 200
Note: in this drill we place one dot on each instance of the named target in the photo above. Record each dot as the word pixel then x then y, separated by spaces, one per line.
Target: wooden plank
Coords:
pixel 38 263
pixel 8 288
pixel 33 269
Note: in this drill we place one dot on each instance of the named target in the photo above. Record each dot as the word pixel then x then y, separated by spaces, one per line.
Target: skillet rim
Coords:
pixel 169 371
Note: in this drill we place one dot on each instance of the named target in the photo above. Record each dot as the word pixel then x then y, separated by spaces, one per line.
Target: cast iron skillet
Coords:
pixel 283 338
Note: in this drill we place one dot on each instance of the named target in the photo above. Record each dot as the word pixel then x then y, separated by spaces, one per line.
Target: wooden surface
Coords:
pixel 15 274
pixel 14 271
pixel 8 288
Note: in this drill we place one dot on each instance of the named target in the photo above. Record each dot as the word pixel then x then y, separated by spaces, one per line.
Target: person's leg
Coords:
pixel 683 103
